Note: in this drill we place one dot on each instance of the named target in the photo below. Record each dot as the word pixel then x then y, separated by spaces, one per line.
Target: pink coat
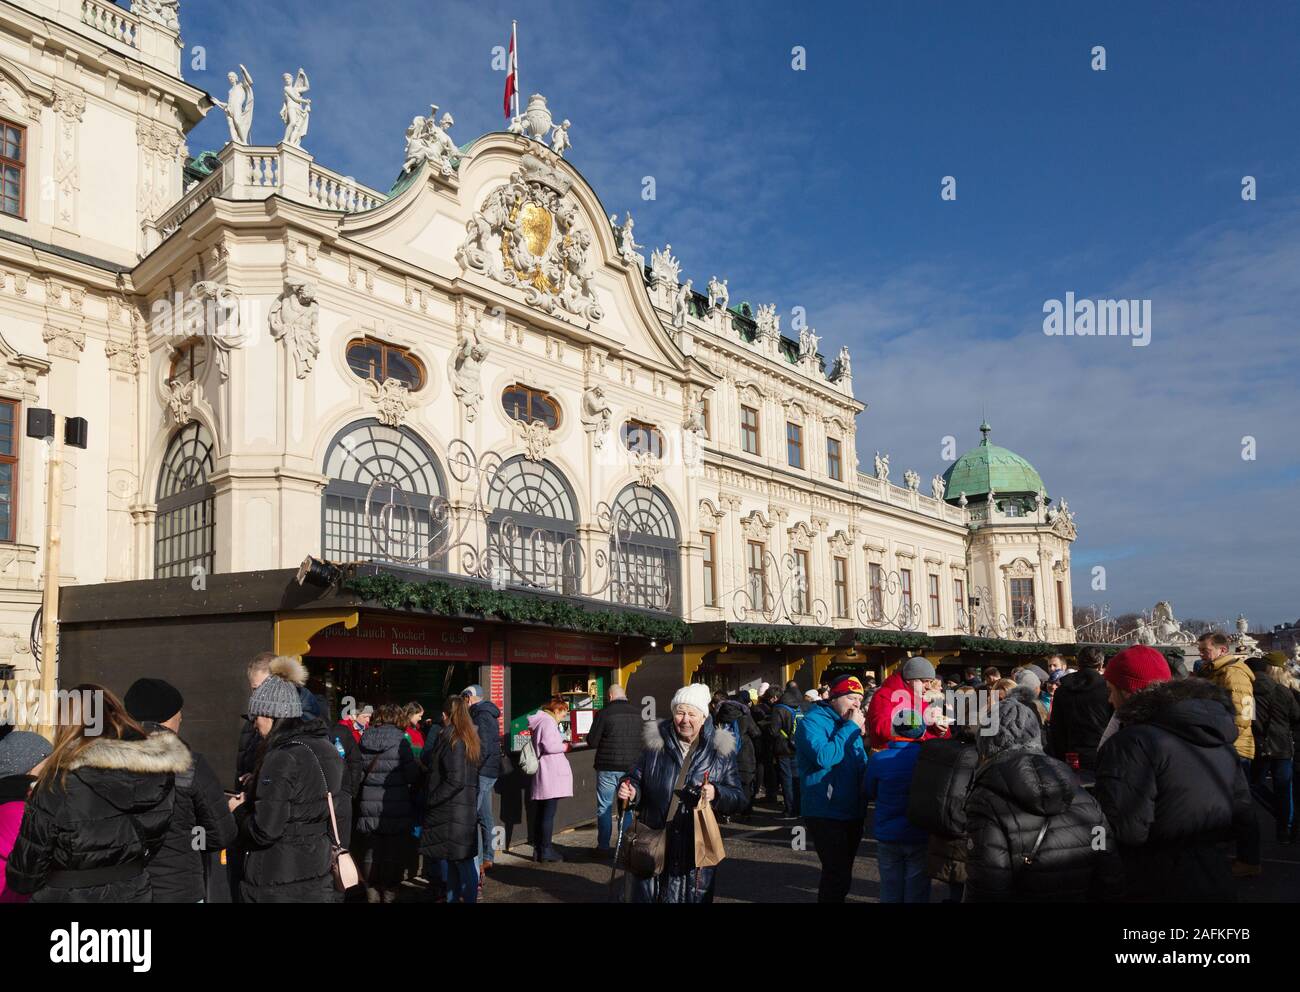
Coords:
pixel 554 779
pixel 11 815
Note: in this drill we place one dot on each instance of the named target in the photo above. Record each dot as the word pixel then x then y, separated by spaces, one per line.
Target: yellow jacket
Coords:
pixel 1231 672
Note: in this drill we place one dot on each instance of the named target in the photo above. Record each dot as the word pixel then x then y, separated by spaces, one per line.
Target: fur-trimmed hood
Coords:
pixel 1195 709
pixel 160 753
pixel 659 734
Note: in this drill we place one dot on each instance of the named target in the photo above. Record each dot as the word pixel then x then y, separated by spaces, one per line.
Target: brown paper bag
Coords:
pixel 708 838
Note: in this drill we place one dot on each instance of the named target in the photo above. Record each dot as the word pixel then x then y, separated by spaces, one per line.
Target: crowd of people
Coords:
pixel 1108 780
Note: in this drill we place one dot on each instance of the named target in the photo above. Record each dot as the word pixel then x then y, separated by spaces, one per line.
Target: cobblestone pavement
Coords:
pixel 763 865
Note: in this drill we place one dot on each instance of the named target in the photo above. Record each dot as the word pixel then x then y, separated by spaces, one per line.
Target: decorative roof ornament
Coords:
pixel 560 141
pixel 664 269
pixel 238 107
pixel 164 12
pixel 962 501
pixel 682 305
pixel 429 140
pixel 296 109
pixel 769 322
pixel 842 369
pixel 882 467
pixel 627 246
pixel 937 487
pixel 912 480
pixel 718 295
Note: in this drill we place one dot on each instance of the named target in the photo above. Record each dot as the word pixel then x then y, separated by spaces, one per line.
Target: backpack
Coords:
pixel 529 763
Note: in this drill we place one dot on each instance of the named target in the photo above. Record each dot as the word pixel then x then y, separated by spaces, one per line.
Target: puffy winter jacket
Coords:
pixel 1277 718
pixel 1012 799
pixel 781 724
pixel 831 761
pixel 888 782
pixel 1080 711
pixel 450 827
pixel 893 695
pixel 1232 673
pixel 13 800
pixel 486 716
pixel 284 823
pixel 944 771
pixel 1172 788
pixel 87 838
pixel 653 776
pixel 734 716
pixel 389 771
pixel 616 736
pixel 177 872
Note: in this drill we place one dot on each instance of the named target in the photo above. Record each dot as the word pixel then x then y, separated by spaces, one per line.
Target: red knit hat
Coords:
pixel 847 684
pixel 1137 667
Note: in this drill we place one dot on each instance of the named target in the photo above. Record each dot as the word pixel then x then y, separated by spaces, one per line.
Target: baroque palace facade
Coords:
pixel 477 374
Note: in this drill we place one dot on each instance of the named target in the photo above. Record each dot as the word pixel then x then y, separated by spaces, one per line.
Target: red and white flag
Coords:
pixel 512 73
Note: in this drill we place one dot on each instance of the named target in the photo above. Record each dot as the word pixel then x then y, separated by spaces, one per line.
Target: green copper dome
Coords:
pixel 986 467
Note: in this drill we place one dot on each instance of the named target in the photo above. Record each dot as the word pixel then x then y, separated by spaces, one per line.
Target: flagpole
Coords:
pixel 514 40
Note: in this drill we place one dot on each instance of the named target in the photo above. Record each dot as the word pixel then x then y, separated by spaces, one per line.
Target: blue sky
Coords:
pixel 820 188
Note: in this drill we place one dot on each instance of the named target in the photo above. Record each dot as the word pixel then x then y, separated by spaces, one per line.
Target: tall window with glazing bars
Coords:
pixel 185 526
pixel 647 557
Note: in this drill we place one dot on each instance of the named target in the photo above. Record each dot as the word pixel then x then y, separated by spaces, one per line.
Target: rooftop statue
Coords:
pixel 718 294
pixel 238 107
pixel 428 140
pixel 912 480
pixel 808 341
pixel 937 487
pixel 627 247
pixel 664 269
pixel 682 304
pixel 882 467
pixel 296 111
pixel 560 139
pixel 769 322
pixel 842 368
pixel 164 12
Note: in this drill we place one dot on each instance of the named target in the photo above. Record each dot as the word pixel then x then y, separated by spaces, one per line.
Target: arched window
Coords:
pixel 369 358
pixel 188 360
pixel 646 559
pixel 185 527
pixel 533 526
pixel 404 474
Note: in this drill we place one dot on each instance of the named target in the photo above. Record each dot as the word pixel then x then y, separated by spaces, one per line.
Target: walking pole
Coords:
pixel 618 849
pixel 696 884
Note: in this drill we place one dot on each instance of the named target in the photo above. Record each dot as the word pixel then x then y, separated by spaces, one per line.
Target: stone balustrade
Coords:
pixel 109 19
pixel 910 499
pixel 249 172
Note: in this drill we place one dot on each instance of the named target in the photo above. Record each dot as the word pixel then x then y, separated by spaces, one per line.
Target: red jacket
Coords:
pixel 893 695
pixel 356 731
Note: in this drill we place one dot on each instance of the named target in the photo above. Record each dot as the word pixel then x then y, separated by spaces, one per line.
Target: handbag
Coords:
pixel 342 865
pixel 708 838
pixel 648 851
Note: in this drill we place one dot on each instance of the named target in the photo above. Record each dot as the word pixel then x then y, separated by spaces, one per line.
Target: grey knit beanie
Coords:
pixel 917 668
pixel 1029 680
pixel 1018 726
pixel 21 751
pixel 278 696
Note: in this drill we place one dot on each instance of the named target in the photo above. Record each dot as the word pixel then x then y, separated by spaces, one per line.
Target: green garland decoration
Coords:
pixel 911 639
pixel 445 599
pixel 774 635
pixel 997 645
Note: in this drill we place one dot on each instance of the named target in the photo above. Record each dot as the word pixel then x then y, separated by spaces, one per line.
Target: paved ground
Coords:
pixel 763 866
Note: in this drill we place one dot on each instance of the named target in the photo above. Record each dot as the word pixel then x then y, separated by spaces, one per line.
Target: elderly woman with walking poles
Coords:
pixel 686 767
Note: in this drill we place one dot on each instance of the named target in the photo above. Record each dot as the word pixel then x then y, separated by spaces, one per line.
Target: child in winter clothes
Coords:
pixel 20 754
pixel 900 845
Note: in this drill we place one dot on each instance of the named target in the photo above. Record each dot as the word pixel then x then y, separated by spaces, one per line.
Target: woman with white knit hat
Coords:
pixel 687 740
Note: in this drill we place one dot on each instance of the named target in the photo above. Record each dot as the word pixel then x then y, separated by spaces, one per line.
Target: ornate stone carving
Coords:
pixel 841 369
pixel 937 487
pixel 755 527
pixel 962 501
pixel 648 468
pixel 560 141
pixel 213 313
pixel 536 120
pixel 536 437
pixel 664 269
pixel 164 12
pixel 64 342
pixel 295 112
pixel 800 536
pixel 429 140
pixel 718 295
pixel 693 422
pixel 1062 521
pixel 466 371
pixel 124 356
pixel 69 102
pixel 808 341
pixel 841 543
pixel 769 322
pixel 596 413
pixel 627 246
pixel 912 480
pixel 882 467
pixel 238 106
pixel 392 400
pixel 526 234
pixel 682 304
pixel 180 401
pixel 293 320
